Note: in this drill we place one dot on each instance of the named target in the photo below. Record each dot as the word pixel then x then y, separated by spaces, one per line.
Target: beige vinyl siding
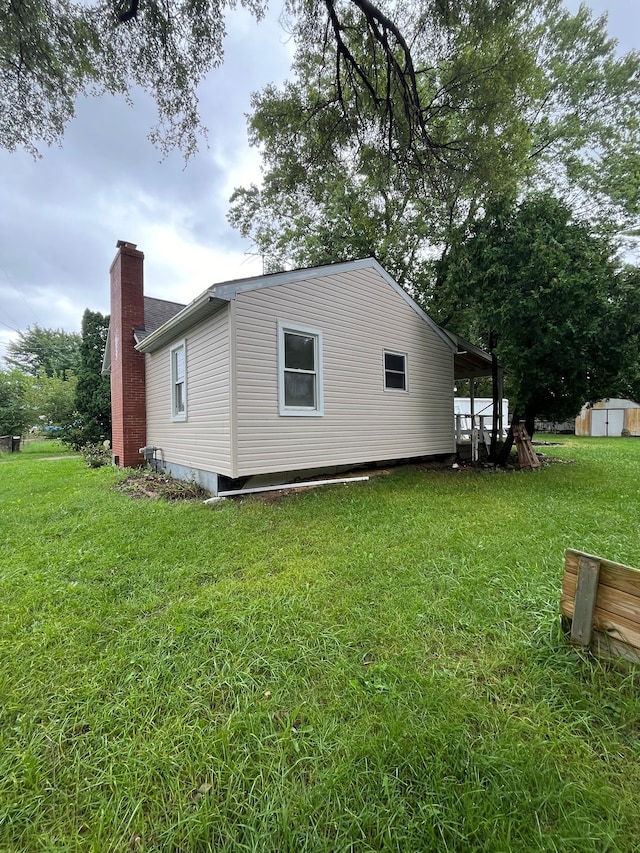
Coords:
pixel 203 439
pixel 360 316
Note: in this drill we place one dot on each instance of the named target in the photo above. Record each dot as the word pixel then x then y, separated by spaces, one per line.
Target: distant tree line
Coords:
pixel 53 382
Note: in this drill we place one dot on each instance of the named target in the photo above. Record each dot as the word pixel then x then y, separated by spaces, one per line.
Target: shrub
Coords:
pixel 96 455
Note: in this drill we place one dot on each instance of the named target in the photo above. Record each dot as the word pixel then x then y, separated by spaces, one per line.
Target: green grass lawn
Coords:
pixel 367 667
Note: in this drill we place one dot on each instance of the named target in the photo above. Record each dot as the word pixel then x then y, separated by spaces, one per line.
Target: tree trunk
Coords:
pixel 505 450
pixel 529 420
pixel 493 450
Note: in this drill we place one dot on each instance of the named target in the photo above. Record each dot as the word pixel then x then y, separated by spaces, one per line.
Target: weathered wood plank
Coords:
pixel 600 600
pixel 608 647
pixel 613 574
pixel 527 457
pixel 609 600
pixel 619 598
pixel 585 601
pixel 625 630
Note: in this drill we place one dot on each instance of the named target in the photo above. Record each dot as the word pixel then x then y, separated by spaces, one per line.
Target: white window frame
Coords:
pixel 300 411
pixel 175 414
pixel 403 355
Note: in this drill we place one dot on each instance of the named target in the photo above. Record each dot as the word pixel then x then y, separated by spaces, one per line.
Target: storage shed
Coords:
pixel 609 417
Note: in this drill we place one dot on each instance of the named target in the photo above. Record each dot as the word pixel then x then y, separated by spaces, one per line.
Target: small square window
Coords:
pixel 395 371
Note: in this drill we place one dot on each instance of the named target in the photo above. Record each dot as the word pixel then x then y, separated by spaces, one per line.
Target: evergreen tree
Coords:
pixel 93 395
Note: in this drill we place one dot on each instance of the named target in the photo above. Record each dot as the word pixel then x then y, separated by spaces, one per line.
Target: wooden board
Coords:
pixel 616 614
pixel 612 574
pixel 607 647
pixel 584 602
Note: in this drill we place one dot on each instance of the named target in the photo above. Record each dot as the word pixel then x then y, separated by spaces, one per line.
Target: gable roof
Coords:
pixel 157 312
pixel 219 294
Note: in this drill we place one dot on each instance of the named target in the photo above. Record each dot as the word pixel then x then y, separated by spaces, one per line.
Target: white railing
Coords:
pixel 474 429
pixel 466 425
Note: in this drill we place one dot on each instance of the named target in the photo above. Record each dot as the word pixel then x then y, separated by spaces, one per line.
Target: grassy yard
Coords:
pixel 367 667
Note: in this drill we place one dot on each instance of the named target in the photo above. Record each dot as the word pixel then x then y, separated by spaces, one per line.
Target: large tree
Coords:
pixel 627 339
pixel 343 179
pixel 461 90
pixel 39 351
pixel 515 95
pixel 553 295
pixel 54 50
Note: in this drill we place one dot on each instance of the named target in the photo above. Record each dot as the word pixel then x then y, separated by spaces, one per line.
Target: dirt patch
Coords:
pixel 148 484
pixel 513 464
pixel 436 465
pixel 554 460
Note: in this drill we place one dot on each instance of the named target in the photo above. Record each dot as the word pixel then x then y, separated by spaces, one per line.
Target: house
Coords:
pixel 609 417
pixel 310 370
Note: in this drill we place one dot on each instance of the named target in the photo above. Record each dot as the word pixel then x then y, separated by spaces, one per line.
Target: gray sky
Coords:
pixel 60 216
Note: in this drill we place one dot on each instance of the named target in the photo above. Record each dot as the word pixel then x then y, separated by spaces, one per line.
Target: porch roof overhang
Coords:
pixel 469 361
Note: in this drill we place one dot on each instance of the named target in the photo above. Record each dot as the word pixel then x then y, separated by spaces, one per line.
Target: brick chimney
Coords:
pixel 128 404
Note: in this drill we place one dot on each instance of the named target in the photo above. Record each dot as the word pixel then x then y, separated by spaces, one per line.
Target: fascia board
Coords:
pixel 461 343
pixel 201 307
pixel 229 289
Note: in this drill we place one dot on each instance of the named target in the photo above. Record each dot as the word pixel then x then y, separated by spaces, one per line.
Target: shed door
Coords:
pixel 607 421
pixel 616 421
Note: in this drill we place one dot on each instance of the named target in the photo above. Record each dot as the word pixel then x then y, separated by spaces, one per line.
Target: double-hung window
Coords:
pixel 395 371
pixel 179 382
pixel 299 370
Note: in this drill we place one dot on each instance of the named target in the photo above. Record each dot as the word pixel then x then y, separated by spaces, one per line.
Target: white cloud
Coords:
pixel 179 268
